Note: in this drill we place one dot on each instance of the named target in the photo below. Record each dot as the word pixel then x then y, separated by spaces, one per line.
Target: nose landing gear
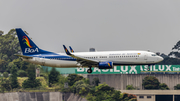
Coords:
pixel 89 70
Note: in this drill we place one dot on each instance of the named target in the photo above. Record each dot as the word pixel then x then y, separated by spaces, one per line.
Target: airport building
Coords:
pixel 121 76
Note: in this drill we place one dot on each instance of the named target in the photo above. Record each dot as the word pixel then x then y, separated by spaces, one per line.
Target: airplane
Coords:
pixel 71 49
pixel 103 60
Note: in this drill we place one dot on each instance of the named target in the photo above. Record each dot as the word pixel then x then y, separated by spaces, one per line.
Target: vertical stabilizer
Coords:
pixel 28 47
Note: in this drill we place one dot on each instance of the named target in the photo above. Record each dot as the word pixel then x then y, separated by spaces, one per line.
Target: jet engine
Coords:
pixel 106 65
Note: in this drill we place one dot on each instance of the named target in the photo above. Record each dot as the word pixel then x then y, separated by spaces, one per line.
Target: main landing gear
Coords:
pixel 89 70
pixel 149 67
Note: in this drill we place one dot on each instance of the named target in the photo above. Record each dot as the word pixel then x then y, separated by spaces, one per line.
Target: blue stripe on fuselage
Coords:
pixel 54 56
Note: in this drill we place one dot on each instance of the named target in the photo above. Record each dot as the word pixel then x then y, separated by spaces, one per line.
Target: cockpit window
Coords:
pixel 153 54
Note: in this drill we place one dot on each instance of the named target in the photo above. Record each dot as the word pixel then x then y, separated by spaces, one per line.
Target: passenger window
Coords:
pixel 141 97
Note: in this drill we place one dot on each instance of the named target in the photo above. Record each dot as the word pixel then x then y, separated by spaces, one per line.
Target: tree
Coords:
pixel 150 82
pixel 81 87
pixel 103 92
pixel 5 74
pixel 170 61
pixel 96 81
pixel 21 73
pixel 163 86
pixel 3 64
pixel 72 78
pixel 9 45
pixel 13 78
pixel 53 77
pixel 130 87
pixel 31 82
pixel 5 85
pixel 128 97
pixel 177 87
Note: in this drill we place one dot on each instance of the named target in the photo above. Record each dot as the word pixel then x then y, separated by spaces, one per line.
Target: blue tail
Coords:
pixel 28 47
pixel 72 51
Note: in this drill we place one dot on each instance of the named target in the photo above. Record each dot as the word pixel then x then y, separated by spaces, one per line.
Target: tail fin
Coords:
pixel 66 50
pixel 28 47
pixel 72 51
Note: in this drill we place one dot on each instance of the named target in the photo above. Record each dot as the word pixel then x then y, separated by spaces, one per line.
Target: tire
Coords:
pixel 89 71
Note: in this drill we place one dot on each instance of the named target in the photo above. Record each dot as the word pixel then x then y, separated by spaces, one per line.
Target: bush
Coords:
pixel 53 77
pixel 96 81
pixel 5 85
pixel 72 78
pixel 31 82
pixel 177 87
pixel 5 74
pixel 80 87
pixel 13 77
pixel 151 82
pixel 130 87
pixel 21 73
pixel 163 86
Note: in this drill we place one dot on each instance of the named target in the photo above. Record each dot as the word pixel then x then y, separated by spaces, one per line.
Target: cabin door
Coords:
pixel 145 56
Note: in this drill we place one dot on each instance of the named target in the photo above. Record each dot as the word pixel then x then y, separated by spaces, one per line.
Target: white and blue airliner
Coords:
pixel 103 60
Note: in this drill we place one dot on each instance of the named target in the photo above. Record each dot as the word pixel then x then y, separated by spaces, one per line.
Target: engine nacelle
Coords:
pixel 106 65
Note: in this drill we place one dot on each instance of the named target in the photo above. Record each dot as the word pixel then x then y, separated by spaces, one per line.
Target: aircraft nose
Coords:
pixel 160 58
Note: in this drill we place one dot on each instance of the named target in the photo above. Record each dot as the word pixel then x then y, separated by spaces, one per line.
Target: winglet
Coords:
pixel 66 50
pixel 72 51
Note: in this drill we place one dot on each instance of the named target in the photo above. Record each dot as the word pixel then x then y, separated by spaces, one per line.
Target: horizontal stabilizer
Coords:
pixel 23 56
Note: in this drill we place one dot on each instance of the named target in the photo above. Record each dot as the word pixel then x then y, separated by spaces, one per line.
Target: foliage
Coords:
pixel 80 87
pixel 128 97
pixel 96 81
pixel 5 74
pixel 72 78
pixel 130 87
pixel 170 61
pixel 31 82
pixel 21 73
pixel 150 82
pixel 104 92
pixel 9 45
pixel 163 86
pixel 53 77
pixel 13 78
pixel 177 87
pixel 5 85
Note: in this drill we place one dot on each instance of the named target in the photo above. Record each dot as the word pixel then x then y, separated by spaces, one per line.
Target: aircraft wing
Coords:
pixel 83 61
pixel 23 56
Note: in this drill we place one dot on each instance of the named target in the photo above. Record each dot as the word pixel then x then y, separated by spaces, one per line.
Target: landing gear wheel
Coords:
pixel 149 67
pixel 89 71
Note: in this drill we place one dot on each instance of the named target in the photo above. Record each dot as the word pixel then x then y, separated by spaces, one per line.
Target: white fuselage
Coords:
pixel 117 57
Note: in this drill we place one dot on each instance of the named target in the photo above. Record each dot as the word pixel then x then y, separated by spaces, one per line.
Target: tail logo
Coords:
pixel 27 41
pixel 66 50
pixel 109 65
